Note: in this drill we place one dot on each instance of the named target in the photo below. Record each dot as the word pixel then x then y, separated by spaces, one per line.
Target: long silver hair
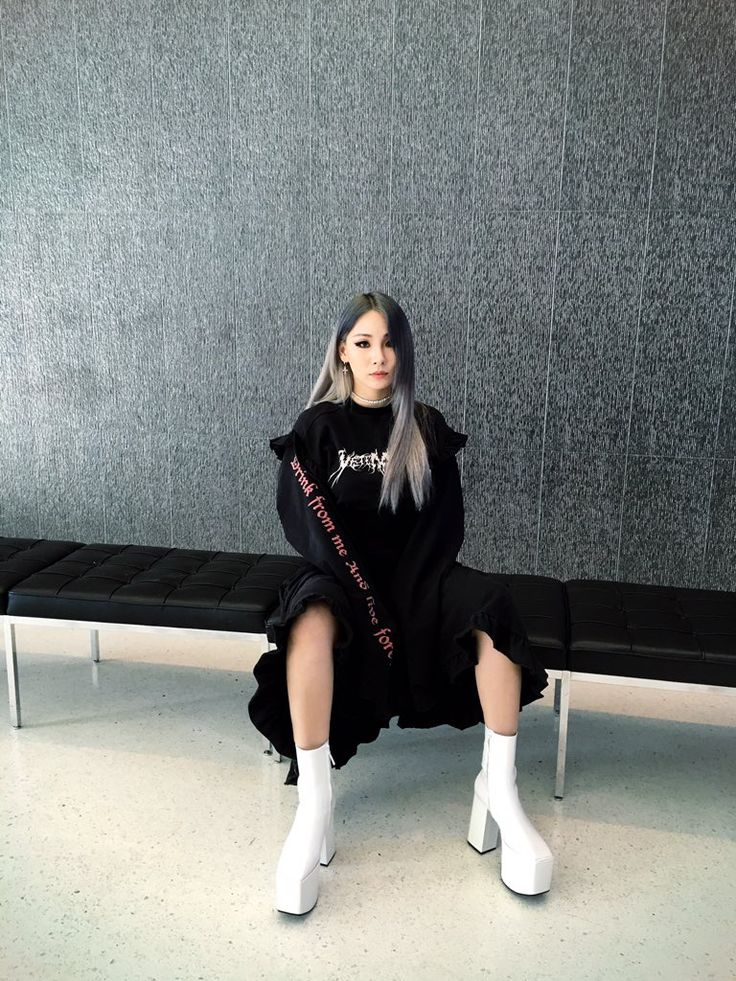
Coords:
pixel 407 451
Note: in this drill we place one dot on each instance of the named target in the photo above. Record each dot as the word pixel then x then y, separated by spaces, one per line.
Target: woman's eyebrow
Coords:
pixel 370 335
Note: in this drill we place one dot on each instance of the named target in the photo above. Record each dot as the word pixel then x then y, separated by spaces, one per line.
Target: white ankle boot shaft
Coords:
pixel 311 840
pixel 526 861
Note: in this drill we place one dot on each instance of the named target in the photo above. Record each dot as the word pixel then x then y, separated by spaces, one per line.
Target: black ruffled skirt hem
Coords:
pixel 472 600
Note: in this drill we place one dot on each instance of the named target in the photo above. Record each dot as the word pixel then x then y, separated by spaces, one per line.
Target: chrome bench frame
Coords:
pixel 563 685
pixel 10 621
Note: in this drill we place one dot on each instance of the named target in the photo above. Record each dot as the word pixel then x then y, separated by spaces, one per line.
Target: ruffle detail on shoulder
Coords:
pixel 454 441
pixel 445 442
pixel 280 444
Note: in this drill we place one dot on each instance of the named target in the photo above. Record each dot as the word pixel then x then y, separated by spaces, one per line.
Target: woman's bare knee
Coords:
pixel 316 627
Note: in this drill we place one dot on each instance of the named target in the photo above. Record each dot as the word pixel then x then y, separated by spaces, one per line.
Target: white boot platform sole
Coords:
pixel 525 873
pixel 300 895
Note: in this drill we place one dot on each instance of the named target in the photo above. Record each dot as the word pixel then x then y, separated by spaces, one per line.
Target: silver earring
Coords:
pixel 344 367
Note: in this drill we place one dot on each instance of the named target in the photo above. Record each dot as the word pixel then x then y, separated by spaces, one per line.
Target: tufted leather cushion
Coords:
pixel 20 557
pixel 167 587
pixel 540 601
pixel 659 632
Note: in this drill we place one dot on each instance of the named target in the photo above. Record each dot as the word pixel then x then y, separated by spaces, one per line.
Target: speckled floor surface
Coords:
pixel 140 826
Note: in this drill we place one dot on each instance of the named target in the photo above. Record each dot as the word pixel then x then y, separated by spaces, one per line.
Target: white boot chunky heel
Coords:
pixel 483 831
pixel 327 852
pixel 526 861
pixel 311 840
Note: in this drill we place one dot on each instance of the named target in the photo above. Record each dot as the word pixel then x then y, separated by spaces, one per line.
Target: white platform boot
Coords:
pixel 311 840
pixel 526 861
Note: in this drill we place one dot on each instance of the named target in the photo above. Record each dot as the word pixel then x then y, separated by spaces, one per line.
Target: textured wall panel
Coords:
pixel 612 104
pixel 508 343
pixel 435 71
pixel 18 481
pixel 260 533
pixel 190 192
pixel 599 265
pixel 521 103
pixel 591 368
pixel 435 302
pixel 43 105
pixel 719 561
pixel 116 120
pixel 125 295
pixel 351 109
pixel 695 169
pixel 272 317
pixel 6 191
pixel 580 513
pixel 684 324
pixel 726 445
pixel 196 258
pixel 269 91
pixel 665 500
pixel 65 377
pixel 190 98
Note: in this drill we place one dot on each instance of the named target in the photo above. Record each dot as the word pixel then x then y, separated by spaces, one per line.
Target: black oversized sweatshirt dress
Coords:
pixel 404 605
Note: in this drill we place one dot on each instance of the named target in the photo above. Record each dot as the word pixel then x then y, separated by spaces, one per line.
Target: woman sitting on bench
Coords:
pixel 382 620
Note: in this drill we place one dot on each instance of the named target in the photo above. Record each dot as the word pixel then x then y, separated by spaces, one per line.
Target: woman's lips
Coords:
pixel 379 374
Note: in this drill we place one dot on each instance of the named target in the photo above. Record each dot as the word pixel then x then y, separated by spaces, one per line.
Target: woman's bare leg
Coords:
pixel 310 674
pixel 499 686
pixel 309 678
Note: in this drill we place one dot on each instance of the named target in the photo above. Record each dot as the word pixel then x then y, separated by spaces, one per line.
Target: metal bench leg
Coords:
pixel 94 645
pixel 562 735
pixel 269 749
pixel 11 660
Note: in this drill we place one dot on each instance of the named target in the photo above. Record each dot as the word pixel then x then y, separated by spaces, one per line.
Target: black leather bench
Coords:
pixel 583 629
pixel 20 557
pixel 99 585
pixel 682 639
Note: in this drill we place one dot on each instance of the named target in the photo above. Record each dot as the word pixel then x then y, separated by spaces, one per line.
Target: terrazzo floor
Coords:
pixel 141 823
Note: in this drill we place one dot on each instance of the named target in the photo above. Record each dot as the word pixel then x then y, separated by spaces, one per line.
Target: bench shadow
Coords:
pixel 74 701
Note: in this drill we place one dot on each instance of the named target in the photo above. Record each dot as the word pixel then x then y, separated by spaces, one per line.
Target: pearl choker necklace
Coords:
pixel 385 400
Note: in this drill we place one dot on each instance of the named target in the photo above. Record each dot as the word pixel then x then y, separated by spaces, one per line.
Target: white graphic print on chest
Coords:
pixel 374 462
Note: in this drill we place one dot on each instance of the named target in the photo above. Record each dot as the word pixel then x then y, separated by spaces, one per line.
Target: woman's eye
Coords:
pixel 361 343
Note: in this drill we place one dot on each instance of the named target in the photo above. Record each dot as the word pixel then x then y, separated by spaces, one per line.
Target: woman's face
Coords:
pixel 367 349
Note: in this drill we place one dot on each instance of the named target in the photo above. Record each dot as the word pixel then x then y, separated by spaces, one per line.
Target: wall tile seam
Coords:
pixel 391 147
pixel 555 265
pixel 641 289
pixel 11 167
pixel 725 216
pixel 159 247
pixel 471 257
pixel 310 285
pixel 214 211
pixel 682 459
pixel 233 277
pixel 99 471
pixel 167 388
pixel 79 102
pixel 152 94
pixel 25 337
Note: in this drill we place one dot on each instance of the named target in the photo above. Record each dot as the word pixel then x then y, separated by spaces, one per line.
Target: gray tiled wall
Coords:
pixel 189 192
